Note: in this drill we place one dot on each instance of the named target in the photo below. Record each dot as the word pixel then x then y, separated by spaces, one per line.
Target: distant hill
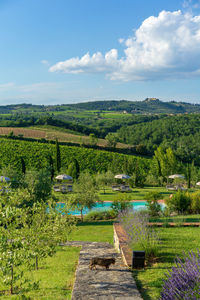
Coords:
pixel 149 105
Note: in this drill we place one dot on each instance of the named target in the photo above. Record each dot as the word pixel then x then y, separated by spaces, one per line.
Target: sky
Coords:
pixel 70 51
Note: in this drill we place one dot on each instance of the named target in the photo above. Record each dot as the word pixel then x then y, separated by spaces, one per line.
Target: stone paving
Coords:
pixel 116 283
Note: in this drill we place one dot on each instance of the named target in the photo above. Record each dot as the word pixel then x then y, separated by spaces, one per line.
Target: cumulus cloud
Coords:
pixel 163 47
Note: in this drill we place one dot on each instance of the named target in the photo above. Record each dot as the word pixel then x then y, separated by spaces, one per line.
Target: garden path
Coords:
pixel 116 283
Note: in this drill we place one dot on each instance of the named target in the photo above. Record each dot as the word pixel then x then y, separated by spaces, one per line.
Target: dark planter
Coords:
pixel 138 259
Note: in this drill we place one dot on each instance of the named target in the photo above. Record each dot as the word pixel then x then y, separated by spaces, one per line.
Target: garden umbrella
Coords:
pixel 4 179
pixel 177 176
pixel 64 177
pixel 122 176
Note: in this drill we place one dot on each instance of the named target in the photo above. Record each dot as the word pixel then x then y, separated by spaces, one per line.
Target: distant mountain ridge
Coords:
pixel 149 105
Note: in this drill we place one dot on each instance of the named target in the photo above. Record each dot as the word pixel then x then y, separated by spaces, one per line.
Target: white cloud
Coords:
pixel 163 47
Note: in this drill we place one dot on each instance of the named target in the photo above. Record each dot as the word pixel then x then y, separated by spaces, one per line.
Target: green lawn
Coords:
pixel 173 242
pixel 56 276
pixel 136 194
pixel 177 219
pixel 101 231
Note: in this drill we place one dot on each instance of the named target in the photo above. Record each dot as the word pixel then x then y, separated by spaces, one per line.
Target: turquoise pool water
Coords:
pixel 102 207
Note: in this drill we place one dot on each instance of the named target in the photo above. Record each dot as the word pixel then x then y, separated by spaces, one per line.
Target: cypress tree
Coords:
pixel 23 165
pixel 58 156
pixel 51 167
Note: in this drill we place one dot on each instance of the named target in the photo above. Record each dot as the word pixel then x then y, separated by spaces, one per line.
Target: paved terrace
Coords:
pixel 116 283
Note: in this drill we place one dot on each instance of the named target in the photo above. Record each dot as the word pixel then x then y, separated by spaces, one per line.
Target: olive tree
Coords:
pixel 85 193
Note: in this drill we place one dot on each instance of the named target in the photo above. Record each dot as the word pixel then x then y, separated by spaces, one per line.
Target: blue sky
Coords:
pixel 68 51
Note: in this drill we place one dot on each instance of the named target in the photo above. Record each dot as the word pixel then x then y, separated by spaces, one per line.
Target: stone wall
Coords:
pixel 121 244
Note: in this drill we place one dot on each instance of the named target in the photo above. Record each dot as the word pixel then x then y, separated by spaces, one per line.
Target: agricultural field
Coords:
pixel 49 133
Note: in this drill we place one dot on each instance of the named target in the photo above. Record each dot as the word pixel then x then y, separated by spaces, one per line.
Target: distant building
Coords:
pixel 151 99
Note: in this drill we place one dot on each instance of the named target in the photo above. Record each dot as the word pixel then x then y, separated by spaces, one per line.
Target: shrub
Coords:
pixel 153 206
pixel 183 280
pixel 121 203
pixel 195 202
pixel 100 215
pixel 141 236
pixel 179 202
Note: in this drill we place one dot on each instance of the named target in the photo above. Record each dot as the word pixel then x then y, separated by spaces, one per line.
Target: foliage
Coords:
pixel 51 167
pixel 58 156
pixel 164 164
pixel 37 154
pixel 195 202
pixel 100 215
pixel 38 184
pixel 183 280
pixel 23 165
pixel 74 169
pixel 179 202
pixel 85 194
pixel 121 203
pixel 139 175
pixel 46 230
pixel 111 140
pixel 153 206
pixel 28 234
pixel 141 236
pixel 105 179
pixel 13 247
pixel 93 139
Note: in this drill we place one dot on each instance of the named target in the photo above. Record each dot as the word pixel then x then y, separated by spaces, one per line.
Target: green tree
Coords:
pixel 121 203
pixel 104 179
pixel 93 139
pixel 58 157
pixel 74 169
pixel 38 184
pixel 111 140
pixel 51 167
pixel 13 247
pixel 23 165
pixel 85 193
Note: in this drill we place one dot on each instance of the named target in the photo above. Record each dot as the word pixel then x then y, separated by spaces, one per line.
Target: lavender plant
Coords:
pixel 141 236
pixel 183 280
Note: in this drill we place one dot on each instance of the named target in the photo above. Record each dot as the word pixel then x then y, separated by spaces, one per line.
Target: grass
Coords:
pixel 173 242
pixel 136 194
pixel 179 218
pixel 56 276
pixel 101 231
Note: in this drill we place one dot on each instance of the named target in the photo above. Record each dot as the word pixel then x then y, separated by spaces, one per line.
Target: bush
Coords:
pixel 195 202
pixel 183 280
pixel 153 206
pixel 154 195
pixel 100 215
pixel 179 202
pixel 121 203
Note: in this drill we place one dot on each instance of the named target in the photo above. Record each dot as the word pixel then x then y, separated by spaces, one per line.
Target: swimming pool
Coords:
pixel 137 205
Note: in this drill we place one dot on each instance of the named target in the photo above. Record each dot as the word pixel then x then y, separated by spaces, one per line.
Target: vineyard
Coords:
pixel 36 155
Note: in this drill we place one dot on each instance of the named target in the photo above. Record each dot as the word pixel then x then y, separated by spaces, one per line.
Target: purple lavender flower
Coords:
pixel 140 234
pixel 183 280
